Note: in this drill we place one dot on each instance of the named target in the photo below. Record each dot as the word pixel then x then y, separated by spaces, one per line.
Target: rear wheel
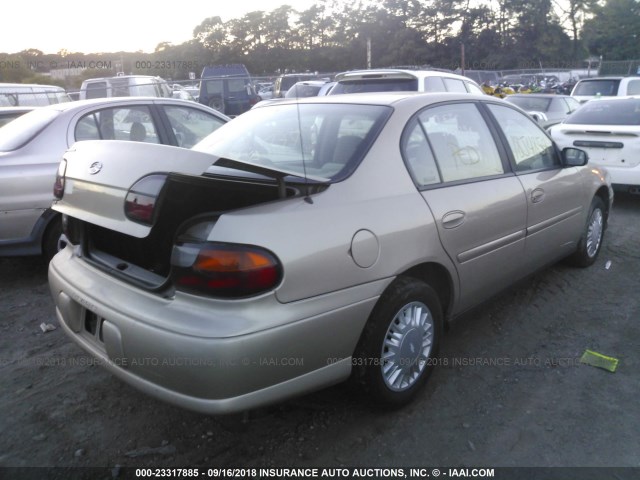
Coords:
pixel 217 103
pixel 396 352
pixel 591 240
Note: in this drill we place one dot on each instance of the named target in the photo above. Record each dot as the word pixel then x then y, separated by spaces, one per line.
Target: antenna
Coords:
pixel 307 197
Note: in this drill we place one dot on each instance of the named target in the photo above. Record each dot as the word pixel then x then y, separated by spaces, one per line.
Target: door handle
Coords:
pixel 537 195
pixel 453 219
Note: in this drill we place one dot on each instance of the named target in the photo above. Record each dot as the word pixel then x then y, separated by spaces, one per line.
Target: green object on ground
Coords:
pixel 596 359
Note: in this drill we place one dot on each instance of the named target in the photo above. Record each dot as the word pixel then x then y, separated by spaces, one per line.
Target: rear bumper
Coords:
pixel 624 176
pixel 210 356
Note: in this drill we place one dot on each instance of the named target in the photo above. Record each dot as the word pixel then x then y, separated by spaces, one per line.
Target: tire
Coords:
pixel 396 352
pixel 217 103
pixel 592 236
pixel 51 243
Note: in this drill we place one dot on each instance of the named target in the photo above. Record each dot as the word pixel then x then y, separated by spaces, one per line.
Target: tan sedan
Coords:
pixel 308 242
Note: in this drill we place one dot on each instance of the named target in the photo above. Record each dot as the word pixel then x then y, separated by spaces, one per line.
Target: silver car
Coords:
pixel 308 242
pixel 547 109
pixel 32 145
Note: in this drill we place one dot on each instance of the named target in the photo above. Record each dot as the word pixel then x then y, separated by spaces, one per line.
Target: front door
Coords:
pixel 479 206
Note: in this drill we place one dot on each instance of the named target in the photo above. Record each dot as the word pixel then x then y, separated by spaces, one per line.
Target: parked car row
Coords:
pixel 203 241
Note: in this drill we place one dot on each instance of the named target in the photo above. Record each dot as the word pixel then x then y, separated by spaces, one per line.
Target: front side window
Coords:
pixel 461 142
pixel 191 125
pixel 531 148
pixel 118 123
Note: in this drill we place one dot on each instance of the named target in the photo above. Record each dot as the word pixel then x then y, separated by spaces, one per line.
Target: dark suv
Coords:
pixel 228 89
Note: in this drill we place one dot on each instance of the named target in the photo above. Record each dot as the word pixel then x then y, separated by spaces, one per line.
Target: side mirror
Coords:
pixel 574 157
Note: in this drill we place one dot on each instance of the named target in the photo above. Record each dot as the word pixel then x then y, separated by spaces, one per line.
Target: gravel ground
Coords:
pixel 511 390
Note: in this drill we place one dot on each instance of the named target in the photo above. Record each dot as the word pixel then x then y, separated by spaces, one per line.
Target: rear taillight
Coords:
pixel 142 198
pixel 58 186
pixel 224 270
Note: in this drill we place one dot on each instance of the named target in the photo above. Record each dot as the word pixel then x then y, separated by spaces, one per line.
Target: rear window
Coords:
pixel 603 87
pixel 529 104
pixel 96 90
pixel 325 141
pixel 376 85
pixel 302 90
pixel 607 112
pixel 23 129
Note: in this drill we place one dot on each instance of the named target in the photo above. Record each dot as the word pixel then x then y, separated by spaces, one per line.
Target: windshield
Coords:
pixel 607 112
pixel 23 129
pixel 606 88
pixel 376 85
pixel 321 141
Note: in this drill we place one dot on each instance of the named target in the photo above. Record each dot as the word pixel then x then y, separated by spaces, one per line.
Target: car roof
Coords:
pixel 591 79
pixel 537 95
pixel 118 76
pixel 389 98
pixel 17 109
pixel 395 73
pixel 119 100
pixel 613 98
pixel 38 85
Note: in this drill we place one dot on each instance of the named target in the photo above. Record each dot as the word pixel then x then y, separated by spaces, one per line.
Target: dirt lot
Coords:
pixel 512 392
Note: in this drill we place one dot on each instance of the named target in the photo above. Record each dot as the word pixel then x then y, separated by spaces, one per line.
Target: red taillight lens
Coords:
pixel 140 203
pixel 58 186
pixel 223 270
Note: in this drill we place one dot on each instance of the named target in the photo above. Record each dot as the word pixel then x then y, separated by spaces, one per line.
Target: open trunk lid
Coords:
pixel 100 174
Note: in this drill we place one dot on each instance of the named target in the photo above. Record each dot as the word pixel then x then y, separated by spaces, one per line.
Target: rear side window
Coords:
pixel 473 88
pixel 461 143
pixel 434 84
pixel 454 85
pixel 118 123
pixel 607 112
pixel 633 87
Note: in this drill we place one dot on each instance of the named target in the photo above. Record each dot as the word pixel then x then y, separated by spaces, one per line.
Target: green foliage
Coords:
pixel 614 30
pixel 334 36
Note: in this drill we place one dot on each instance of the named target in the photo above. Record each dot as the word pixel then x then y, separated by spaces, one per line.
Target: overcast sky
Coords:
pixel 116 25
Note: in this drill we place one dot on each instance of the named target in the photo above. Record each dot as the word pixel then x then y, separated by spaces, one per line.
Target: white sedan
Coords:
pixel 609 131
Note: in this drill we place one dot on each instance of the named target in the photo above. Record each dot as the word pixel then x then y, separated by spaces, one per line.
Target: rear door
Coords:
pixel 554 194
pixel 479 206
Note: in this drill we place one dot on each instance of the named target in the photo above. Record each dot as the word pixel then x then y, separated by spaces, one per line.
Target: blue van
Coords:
pixel 228 89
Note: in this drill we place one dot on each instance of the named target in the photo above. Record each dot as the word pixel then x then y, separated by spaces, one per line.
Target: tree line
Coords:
pixel 333 36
